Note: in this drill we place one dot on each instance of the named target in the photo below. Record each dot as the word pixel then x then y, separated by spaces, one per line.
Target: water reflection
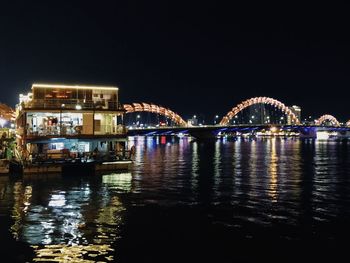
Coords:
pixel 71 219
pixel 273 171
pixel 217 168
pixel 22 195
pixel 326 177
pixel 118 181
pixel 290 187
pixel 237 168
pixel 65 253
pixel 194 166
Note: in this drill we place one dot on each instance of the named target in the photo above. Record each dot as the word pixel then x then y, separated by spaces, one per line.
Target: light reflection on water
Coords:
pixel 65 220
pixel 269 177
pixel 273 171
pixel 291 183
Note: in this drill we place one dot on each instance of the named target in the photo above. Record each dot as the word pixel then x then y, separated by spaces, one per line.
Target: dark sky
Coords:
pixel 199 58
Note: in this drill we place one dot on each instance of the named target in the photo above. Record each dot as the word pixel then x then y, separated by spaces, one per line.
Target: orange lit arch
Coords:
pixel 329 118
pixel 149 107
pixel 257 100
pixel 7 112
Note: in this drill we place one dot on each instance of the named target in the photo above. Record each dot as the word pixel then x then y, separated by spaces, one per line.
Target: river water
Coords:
pixel 281 200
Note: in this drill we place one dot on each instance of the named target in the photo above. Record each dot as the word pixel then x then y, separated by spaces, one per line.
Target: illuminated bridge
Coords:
pixel 212 131
pixel 259 114
pixel 255 115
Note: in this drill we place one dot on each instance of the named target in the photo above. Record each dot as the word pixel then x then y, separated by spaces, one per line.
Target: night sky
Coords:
pixel 199 58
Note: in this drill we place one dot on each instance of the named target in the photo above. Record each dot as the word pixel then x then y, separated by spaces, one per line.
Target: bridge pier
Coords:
pixel 308 132
pixel 203 134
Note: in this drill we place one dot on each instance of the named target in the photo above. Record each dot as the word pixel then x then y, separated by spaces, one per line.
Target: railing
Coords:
pixel 75 130
pixel 71 104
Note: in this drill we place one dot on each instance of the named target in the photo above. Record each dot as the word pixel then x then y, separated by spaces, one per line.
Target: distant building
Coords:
pixel 192 122
pixel 297 111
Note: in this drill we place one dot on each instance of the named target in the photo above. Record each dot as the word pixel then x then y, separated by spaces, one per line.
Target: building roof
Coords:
pixel 61 86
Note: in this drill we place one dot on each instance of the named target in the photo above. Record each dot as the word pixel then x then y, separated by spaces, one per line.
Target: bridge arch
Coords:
pixel 327 117
pixel 150 107
pixel 7 113
pixel 258 100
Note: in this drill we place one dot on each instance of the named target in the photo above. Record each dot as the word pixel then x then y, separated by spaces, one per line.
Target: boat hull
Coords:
pixel 111 166
pixel 76 168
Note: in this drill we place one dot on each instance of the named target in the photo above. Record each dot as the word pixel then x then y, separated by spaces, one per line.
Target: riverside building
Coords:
pixel 70 124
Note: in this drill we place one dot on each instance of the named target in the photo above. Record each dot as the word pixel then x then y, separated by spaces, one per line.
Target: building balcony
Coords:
pixel 73 131
pixel 72 104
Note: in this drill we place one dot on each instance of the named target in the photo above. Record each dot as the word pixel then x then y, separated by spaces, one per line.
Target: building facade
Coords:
pixel 67 121
pixel 297 111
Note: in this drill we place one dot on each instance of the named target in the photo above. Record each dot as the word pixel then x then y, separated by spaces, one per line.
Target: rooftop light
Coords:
pixel 73 87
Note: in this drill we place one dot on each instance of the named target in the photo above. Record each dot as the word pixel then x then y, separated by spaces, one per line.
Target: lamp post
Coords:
pixel 194 121
pixel 215 120
pixel 138 119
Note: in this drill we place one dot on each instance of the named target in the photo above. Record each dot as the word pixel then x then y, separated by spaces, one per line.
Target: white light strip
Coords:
pixel 72 87
pixel 116 162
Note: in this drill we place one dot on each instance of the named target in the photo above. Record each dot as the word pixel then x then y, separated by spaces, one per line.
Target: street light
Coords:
pixel 251 119
pixel 138 120
pixel 216 117
pixel 281 119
